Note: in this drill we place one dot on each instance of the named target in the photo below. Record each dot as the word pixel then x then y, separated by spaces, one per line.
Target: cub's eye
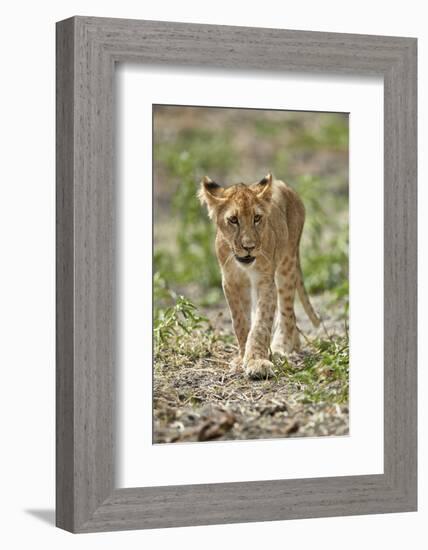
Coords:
pixel 257 218
pixel 233 220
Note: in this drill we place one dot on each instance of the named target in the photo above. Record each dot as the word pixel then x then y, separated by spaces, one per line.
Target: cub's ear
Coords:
pixel 211 194
pixel 263 188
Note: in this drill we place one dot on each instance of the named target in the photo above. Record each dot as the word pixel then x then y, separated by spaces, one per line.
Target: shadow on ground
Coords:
pixel 47 515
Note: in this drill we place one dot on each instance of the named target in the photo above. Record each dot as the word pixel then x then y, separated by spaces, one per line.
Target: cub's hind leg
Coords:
pixel 286 338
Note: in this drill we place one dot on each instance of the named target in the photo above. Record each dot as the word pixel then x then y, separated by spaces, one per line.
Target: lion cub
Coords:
pixel 259 226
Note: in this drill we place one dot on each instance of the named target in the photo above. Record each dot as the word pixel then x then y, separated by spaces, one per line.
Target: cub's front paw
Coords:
pixel 237 364
pixel 258 368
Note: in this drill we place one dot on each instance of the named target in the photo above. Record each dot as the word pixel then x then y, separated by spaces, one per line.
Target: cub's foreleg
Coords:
pixel 256 358
pixel 238 296
pixel 286 338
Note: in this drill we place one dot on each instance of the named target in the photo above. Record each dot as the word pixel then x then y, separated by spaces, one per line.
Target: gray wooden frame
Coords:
pixel 87 50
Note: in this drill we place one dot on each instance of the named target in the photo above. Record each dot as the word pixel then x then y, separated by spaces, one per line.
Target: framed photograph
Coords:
pixel 236 274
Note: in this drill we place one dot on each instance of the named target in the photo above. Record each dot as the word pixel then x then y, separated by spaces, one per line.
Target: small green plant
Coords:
pixel 323 375
pixel 173 315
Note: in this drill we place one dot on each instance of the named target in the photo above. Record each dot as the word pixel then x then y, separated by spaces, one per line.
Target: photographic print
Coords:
pixel 250 274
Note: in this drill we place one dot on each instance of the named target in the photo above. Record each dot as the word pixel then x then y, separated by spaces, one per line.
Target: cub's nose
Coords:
pixel 248 247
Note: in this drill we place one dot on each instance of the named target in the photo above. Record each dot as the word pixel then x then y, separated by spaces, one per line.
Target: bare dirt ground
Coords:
pixel 197 397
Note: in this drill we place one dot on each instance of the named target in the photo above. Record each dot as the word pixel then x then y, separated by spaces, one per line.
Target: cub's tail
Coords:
pixel 304 298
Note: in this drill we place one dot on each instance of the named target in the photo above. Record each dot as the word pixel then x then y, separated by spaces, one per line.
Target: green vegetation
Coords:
pixel 173 315
pixel 323 374
pixel 194 153
pixel 325 241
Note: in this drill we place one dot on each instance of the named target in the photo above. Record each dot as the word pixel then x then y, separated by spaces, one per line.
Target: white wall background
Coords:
pixel 27 271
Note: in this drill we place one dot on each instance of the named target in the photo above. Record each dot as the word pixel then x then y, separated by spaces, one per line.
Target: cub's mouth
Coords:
pixel 245 259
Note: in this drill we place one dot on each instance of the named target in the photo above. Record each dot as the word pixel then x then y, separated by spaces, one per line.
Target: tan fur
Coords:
pixel 264 221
